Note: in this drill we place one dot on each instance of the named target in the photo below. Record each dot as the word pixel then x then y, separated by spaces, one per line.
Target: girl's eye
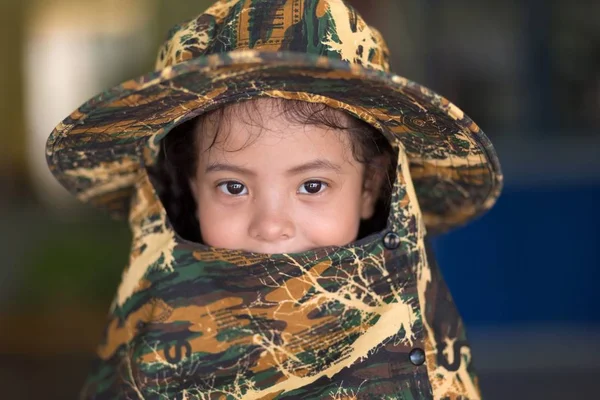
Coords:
pixel 232 188
pixel 312 187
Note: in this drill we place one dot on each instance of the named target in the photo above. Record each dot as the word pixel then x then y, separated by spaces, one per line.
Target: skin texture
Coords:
pixel 272 186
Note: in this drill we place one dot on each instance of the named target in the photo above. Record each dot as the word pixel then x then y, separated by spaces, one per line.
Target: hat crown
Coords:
pixel 329 28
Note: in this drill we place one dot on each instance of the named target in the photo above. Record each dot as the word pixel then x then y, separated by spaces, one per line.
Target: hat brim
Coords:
pixel 98 152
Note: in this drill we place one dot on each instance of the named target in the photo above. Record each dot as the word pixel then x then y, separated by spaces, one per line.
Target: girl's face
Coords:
pixel 276 187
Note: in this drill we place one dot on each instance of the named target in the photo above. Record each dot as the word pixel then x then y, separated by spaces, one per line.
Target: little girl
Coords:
pixel 275 176
pixel 279 182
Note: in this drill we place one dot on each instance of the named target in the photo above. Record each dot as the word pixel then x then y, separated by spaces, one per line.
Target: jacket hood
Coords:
pixel 372 319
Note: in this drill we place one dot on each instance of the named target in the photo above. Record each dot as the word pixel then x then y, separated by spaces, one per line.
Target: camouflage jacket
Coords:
pixel 371 320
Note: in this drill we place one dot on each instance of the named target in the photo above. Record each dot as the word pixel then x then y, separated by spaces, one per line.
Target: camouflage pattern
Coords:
pixel 196 322
pixel 191 321
pixel 315 50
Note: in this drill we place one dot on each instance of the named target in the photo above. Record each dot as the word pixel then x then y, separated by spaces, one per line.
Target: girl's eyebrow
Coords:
pixel 309 166
pixel 217 166
pixel 319 163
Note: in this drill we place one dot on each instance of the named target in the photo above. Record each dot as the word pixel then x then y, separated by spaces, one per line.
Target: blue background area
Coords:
pixel 533 258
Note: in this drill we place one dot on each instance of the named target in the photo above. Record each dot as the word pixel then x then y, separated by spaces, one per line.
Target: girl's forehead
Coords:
pixel 263 112
pixel 265 123
pixel 275 153
pixel 276 138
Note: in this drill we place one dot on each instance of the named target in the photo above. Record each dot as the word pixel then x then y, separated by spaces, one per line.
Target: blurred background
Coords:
pixel 525 276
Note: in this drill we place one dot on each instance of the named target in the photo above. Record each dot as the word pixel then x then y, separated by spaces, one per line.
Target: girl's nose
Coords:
pixel 271 224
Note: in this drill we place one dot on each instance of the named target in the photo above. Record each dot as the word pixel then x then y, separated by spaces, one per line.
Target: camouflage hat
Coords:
pixel 312 50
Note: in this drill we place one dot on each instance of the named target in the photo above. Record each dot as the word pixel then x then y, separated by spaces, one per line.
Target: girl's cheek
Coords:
pixel 220 229
pixel 322 215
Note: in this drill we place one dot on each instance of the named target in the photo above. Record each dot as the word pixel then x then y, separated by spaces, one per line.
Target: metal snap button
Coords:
pixel 391 240
pixel 417 356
